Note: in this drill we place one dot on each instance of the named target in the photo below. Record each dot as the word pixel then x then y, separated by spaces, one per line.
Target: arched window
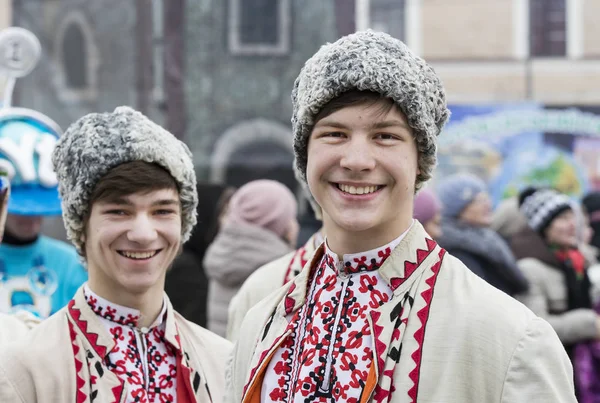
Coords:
pixel 75 58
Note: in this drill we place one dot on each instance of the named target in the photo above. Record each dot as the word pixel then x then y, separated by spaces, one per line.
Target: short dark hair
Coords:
pixel 354 98
pixel 127 179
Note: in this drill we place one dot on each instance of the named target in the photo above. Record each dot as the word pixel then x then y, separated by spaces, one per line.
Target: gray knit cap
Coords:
pixel 98 142
pixel 371 61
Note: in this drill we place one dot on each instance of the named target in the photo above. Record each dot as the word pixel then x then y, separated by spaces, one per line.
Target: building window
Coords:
pixel 77 57
pixel 74 56
pixel 548 28
pixel 259 27
pixel 381 15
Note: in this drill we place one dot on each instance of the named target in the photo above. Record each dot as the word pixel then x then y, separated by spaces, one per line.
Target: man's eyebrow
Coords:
pixel 390 123
pixel 166 202
pixel 332 123
pixel 378 125
pixel 121 201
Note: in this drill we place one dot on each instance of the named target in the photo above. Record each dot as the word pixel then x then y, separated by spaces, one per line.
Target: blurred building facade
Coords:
pixel 234 62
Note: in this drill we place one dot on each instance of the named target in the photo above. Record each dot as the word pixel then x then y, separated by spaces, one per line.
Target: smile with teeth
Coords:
pixel 358 190
pixel 138 255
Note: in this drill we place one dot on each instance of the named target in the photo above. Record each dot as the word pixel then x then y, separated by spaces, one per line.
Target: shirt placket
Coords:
pixel 325 388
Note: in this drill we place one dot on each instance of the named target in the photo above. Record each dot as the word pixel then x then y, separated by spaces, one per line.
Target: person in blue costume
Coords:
pixel 37 273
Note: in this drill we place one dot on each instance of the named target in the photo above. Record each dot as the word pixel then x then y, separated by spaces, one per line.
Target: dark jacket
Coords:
pixel 485 253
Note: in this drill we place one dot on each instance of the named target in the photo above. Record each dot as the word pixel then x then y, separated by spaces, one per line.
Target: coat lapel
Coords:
pixel 399 325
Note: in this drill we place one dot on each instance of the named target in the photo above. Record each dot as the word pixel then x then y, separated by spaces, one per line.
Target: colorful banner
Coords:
pixel 512 146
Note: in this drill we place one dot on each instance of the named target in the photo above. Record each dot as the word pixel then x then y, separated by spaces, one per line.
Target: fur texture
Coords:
pixel 371 61
pixel 98 142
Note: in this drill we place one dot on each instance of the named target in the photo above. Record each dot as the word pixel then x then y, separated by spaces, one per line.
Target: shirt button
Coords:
pixel 144 330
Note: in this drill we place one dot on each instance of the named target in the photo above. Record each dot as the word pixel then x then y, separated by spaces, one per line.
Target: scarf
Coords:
pixel 574 267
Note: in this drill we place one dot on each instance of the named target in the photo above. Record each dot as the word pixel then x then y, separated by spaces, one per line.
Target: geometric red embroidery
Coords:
pixel 80 383
pixel 419 335
pixel 144 361
pixel 328 354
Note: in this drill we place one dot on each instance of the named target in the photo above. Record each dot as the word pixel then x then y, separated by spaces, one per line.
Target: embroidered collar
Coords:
pixel 363 261
pixel 117 313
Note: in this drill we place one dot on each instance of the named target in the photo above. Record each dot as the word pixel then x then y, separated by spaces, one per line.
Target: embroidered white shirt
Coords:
pixel 141 358
pixel 328 355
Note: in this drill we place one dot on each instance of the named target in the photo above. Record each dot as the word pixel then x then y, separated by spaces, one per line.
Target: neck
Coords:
pixel 148 302
pixel 343 242
pixel 12 239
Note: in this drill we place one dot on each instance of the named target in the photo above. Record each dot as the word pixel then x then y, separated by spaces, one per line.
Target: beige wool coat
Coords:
pixel 446 336
pixel 62 360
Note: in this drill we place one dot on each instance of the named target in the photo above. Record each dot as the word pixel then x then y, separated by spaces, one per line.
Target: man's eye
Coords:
pixel 333 134
pixel 165 212
pixel 116 212
pixel 386 136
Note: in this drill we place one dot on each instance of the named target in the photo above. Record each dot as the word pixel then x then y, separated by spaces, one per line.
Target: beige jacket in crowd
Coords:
pixel 62 358
pixel 15 326
pixel 445 336
pixel 266 280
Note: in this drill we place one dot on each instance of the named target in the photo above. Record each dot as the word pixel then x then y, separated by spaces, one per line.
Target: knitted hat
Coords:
pixel 457 191
pixel 426 205
pixel 371 61
pixel 98 142
pixel 541 206
pixel 266 203
pixel 591 202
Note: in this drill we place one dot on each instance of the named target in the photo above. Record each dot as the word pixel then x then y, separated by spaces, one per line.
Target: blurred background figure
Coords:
pixel 548 254
pixel 467 215
pixel 273 275
pixel 260 226
pixel 428 210
pixel 591 204
pixel 12 326
pixel 186 283
pixel 38 274
pixel 507 219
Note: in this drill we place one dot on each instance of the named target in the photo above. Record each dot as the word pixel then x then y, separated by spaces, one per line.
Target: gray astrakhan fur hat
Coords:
pixel 371 61
pixel 98 142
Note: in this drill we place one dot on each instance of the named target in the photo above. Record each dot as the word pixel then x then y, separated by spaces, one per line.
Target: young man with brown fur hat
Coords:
pixel 381 313
pixel 129 199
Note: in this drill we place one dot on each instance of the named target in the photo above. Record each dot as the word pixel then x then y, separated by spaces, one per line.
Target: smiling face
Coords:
pixel 362 167
pixel 562 231
pixel 131 241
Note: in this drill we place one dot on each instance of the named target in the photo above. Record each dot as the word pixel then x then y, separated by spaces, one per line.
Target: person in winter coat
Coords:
pixel 507 219
pixel 467 236
pixel 547 253
pixel 591 204
pixel 186 283
pixel 128 189
pixel 260 226
pixel 381 313
pixel 428 210
pixel 272 276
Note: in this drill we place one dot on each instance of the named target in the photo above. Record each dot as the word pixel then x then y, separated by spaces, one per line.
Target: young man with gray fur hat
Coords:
pixel 129 199
pixel 381 313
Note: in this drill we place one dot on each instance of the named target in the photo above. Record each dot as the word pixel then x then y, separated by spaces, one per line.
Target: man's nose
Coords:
pixel 358 156
pixel 142 230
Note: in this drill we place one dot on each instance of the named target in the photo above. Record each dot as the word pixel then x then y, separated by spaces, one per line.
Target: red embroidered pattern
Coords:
pixel 423 315
pixel 144 361
pixel 328 355
pixel 80 395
